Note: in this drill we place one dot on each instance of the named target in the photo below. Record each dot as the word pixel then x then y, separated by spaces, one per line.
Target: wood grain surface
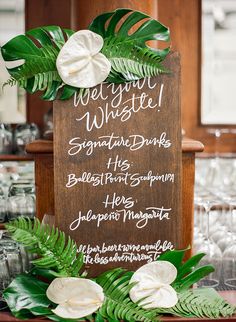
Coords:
pixel 120 200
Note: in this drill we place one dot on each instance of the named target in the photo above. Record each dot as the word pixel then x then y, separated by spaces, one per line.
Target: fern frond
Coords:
pixel 191 303
pixel 200 303
pixel 50 244
pixel 132 62
pixel 117 305
pixel 12 82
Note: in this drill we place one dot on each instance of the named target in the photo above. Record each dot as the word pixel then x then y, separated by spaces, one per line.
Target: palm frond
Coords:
pixel 117 305
pixel 202 302
pixel 50 244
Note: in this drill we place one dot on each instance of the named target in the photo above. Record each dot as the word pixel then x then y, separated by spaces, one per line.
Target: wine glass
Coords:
pixel 198 231
pixel 229 198
pixel 228 244
pixel 212 251
pixel 229 265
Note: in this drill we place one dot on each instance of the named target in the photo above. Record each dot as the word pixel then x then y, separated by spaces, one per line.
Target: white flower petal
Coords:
pixel 86 40
pixel 75 292
pixel 152 282
pixel 69 312
pixel 79 62
pixel 159 271
pixel 164 297
pixel 60 288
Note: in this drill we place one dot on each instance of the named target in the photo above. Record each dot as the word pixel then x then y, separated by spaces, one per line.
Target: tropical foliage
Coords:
pixel 38 48
pixel 204 302
pixel 131 58
pixel 118 305
pixel 26 295
pixel 55 250
pixel 189 272
pixel 126 48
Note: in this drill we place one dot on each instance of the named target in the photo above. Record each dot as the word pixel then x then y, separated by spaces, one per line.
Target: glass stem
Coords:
pixel 231 209
pixel 208 223
pixel 201 220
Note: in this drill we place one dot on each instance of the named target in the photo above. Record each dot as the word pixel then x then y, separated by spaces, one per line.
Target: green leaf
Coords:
pixel 130 57
pixel 39 48
pixel 173 256
pixel 187 273
pixel 189 265
pixel 117 305
pixel 202 302
pixel 99 318
pixel 50 244
pixel 27 295
pixel 150 29
pixel 48 274
pixel 195 276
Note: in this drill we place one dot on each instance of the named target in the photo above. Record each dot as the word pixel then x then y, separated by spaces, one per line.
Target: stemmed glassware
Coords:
pixel 229 243
pixel 198 226
pixel 212 251
pixel 229 198
pixel 214 178
pixel 215 207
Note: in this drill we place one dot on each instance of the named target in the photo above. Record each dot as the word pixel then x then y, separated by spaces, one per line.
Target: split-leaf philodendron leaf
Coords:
pixel 125 47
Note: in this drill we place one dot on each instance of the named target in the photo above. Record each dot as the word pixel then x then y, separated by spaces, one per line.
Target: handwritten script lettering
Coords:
pixel 121 171
pixel 141 218
pixel 131 179
pixel 132 142
pixel 106 253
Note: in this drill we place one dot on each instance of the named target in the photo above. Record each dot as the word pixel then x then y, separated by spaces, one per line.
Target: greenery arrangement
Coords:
pixel 26 296
pixel 129 57
pixel 55 61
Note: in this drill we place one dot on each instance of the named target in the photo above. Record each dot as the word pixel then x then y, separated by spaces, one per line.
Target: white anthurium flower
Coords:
pixel 80 63
pixel 152 283
pixel 76 297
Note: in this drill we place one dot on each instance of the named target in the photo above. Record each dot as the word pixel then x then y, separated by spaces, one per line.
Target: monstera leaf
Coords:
pixel 26 296
pixel 39 49
pixel 127 51
pixel 125 46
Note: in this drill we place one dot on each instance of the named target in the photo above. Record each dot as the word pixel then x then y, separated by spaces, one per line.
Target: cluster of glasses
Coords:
pixel 14 141
pixel 17 190
pixel 215 219
pixel 13 260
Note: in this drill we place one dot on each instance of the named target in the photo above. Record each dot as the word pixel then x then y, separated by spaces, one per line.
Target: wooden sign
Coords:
pixel 117 159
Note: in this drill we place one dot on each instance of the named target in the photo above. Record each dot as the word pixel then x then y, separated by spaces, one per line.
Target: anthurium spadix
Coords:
pixel 152 285
pixel 76 297
pixel 80 63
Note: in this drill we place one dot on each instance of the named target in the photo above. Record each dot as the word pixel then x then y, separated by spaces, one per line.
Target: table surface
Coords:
pixel 230 296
